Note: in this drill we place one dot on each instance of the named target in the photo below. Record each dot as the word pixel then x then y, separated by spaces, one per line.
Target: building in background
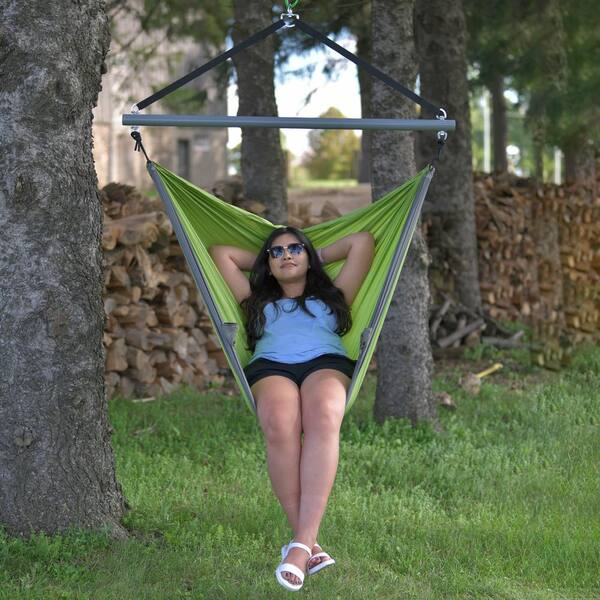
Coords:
pixel 135 71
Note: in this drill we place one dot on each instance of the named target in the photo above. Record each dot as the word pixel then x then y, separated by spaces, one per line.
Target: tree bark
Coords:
pixel 263 162
pixel 441 43
pixel 580 162
pixel 538 162
pixel 403 353
pixel 537 125
pixel 499 125
pixel 57 467
pixel 363 49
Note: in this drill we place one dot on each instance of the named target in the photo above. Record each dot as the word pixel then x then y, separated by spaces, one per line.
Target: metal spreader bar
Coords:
pixel 288 122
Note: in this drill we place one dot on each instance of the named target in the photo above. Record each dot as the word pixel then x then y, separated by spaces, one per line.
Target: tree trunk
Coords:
pixel 263 163
pixel 441 42
pixel 538 162
pixel 57 467
pixel 499 125
pixel 363 46
pixel 580 162
pixel 537 125
pixel 403 353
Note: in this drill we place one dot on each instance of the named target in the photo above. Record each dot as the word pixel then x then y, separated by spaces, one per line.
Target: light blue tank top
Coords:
pixel 294 336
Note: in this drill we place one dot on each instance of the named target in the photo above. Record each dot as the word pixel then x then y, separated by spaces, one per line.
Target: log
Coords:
pixel 116 356
pixel 501 342
pixel 438 317
pixel 460 333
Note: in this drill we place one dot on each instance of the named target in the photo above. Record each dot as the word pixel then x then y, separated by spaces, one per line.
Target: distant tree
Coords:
pixel 332 151
pixel 491 25
pixel 549 52
pixel 540 70
pixel 565 85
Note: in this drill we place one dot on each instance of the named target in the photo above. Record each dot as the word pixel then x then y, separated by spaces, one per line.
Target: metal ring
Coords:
pixel 443 114
pixel 288 18
pixel 442 135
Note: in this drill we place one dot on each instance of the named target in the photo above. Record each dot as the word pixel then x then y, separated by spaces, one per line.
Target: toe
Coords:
pixel 291 578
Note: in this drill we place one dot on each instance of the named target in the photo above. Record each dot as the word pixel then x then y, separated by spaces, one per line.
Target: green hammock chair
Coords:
pixel 201 220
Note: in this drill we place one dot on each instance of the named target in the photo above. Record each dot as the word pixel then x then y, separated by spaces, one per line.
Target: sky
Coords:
pixel 342 92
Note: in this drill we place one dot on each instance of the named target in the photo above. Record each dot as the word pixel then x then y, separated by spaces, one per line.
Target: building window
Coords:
pixel 183 158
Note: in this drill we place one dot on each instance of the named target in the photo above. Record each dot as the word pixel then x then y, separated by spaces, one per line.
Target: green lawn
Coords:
pixel 505 503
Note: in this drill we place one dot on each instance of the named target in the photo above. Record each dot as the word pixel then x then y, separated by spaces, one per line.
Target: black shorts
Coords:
pixel 298 372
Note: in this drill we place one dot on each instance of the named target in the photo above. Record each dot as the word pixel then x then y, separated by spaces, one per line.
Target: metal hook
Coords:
pixel 442 114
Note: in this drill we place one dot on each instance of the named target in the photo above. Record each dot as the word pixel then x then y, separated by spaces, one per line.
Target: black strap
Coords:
pixel 137 136
pixel 257 37
pixel 264 33
pixel 434 110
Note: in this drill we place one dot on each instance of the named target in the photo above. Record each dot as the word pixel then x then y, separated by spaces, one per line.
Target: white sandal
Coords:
pixel 290 568
pixel 322 564
pixel 284 549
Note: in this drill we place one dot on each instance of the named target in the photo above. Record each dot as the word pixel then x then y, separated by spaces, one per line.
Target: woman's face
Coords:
pixel 289 268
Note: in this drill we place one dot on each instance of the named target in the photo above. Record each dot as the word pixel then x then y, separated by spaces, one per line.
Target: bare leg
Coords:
pixel 278 408
pixel 323 398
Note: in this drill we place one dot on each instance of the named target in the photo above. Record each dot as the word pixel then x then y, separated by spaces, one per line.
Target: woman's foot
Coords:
pixel 297 557
pixel 313 561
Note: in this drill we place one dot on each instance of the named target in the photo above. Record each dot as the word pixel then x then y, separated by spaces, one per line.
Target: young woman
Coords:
pixel 299 372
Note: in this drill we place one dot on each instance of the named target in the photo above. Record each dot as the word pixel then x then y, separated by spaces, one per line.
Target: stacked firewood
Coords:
pixel 579 238
pixel 300 214
pixel 538 261
pixel 157 334
pixel 231 190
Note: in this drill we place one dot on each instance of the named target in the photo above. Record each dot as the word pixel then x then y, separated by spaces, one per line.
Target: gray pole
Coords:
pixel 289 122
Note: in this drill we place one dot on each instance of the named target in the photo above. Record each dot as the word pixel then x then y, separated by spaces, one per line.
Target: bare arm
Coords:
pixel 358 250
pixel 231 261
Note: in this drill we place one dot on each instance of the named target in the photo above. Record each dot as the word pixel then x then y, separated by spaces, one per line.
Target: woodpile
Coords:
pixel 539 262
pixel 231 191
pixel 157 334
pixel 539 255
pixel 300 214
pixel 579 239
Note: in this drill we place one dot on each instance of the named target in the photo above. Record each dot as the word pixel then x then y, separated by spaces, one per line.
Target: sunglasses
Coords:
pixel 294 249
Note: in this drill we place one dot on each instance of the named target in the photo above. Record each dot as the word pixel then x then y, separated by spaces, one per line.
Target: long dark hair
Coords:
pixel 265 288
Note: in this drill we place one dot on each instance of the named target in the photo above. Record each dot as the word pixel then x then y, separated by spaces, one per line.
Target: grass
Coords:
pixel 504 503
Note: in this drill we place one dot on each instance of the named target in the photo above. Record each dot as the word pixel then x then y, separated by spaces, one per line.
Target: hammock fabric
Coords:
pixel 201 220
